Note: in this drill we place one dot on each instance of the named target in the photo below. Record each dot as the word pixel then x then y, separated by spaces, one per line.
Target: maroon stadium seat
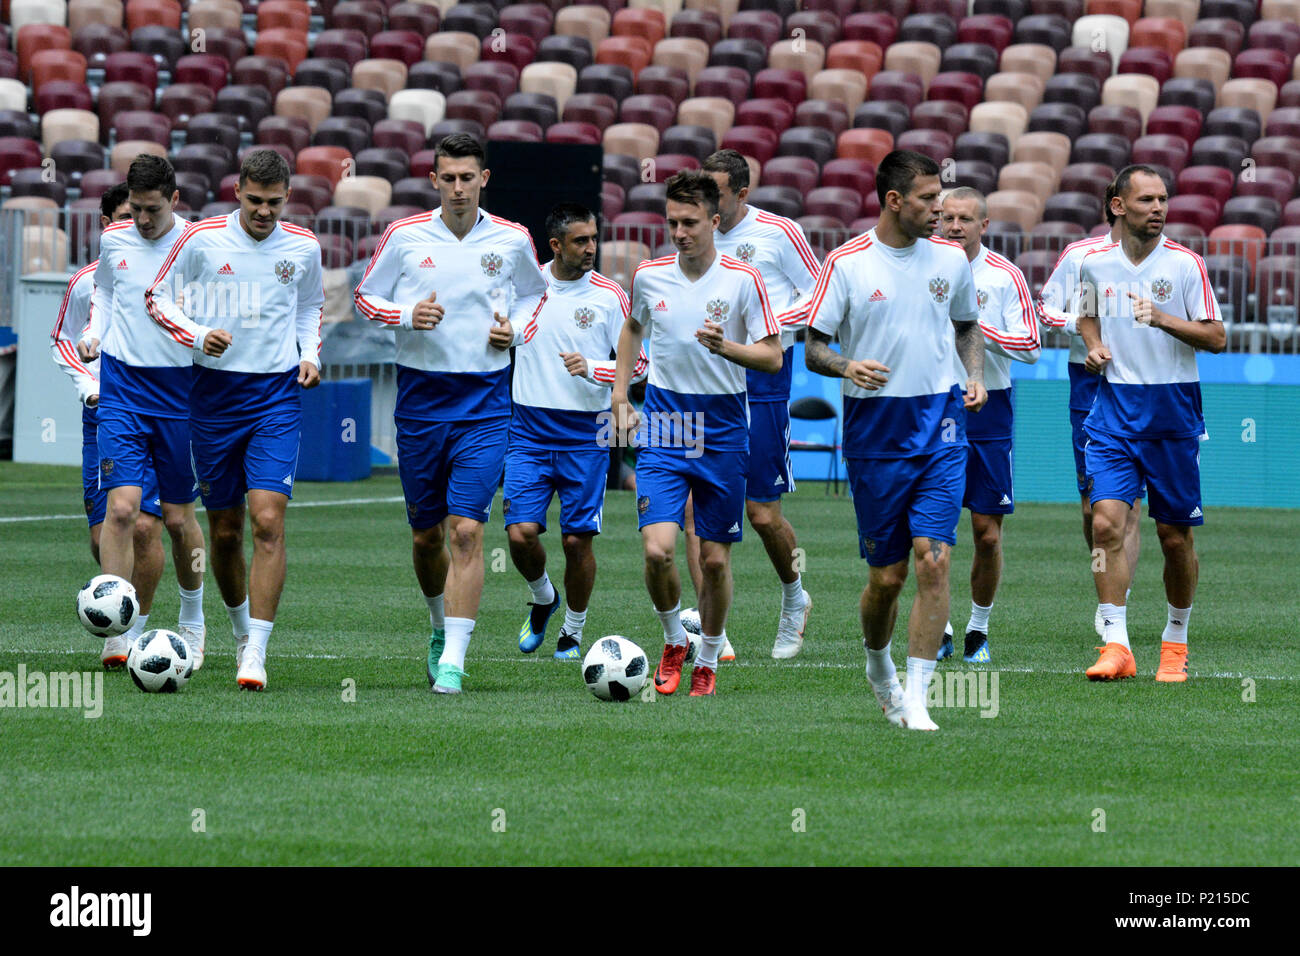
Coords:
pixel 656 111
pixel 1162 150
pixel 855 174
pixel 1213 181
pixel 518 50
pixel 1220 32
pixel 727 82
pixel 757 141
pixel 1145 60
pixel 798 172
pixel 776 114
pixel 1201 211
pixel 1270 181
pixel 789 85
pixel 905 88
pixel 1283 151
pixel 599 109
pixel 828 114
pixel 948 115
pixel 574 133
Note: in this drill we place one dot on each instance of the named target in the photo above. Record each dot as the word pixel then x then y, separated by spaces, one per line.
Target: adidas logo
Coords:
pixel 427 263
pixel 1196 512
pixel 734 529
pixel 121 265
pixel 1175 623
pixel 288 480
pixel 779 480
pixel 877 296
pixel 1006 500
pixel 226 270
pixel 1107 623
pixel 662 306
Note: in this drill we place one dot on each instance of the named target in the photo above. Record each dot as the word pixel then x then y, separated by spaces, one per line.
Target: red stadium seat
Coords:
pixel 762 25
pixel 51 65
pixel 757 141
pixel 144 13
pixel 203 68
pixel 1199 210
pixel 63 95
pixel 797 172
pixel 574 133
pixel 828 114
pixel 283 14
pixel 143 125
pixel 96 41
pixel 855 174
pixel 836 201
pixel 1282 151
pixel 934 143
pixel 1268 181
pixel 776 114
pixel 328 162
pixel 995 31
pixel 495 77
pixel 656 111
pixel 905 88
pixel 518 50
pixel 481 106
pixel 270 73
pixel 534 20
pixel 287 45
pixel 947 115
pixel 1116 120
pixel 879 28
pixel 1212 181
pixel 1219 32
pixel 963 88
pixel 670 81
pixel 1181 121
pixel 1266 64
pixel 598 109
pixel 1161 33
pixel 701 24
pixel 631 52
pixel 1161 150
pixel 517 131
pixel 350 46
pixel 1085 60
pixel 647 24
pixel 1281 35
pixel 789 85
pixel 1156 63
pixel 727 82
pixel 870 145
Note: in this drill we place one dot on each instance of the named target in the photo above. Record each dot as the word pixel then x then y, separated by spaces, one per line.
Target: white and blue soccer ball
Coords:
pixel 160 662
pixel 107 605
pixel 615 668
pixel 690 618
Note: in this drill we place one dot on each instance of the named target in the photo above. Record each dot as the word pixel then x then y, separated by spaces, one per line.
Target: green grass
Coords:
pixel 1187 774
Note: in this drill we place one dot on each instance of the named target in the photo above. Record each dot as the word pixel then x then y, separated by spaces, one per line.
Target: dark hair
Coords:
pixel 149 172
pixel 563 216
pixel 266 167
pixel 112 198
pixel 729 161
pixel 694 186
pixel 458 146
pixel 1105 203
pixel 1126 175
pixel 899 169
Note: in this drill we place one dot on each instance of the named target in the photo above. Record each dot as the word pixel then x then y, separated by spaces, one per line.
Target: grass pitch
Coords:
pixel 792 763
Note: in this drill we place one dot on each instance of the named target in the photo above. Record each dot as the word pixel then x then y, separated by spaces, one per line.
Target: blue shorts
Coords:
pixel 131 446
pixel 578 475
pixel 233 458
pixel 898 499
pixel 769 474
pixel 989 488
pixel 1118 468
pixel 715 481
pixel 450 468
pixel 96 498
pixel 1079 439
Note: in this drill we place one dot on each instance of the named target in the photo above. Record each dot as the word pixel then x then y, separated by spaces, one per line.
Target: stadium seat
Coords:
pixel 777 114
pixel 929 142
pixel 421 18
pixel 1032 58
pixel 1233 121
pixel 1052 148
pixel 797 172
pixel 1086 61
pixel 1127 10
pixel 815 142
pixel 492 76
pixel 1156 64
pixel 656 111
pixel 1261 211
pixel 1278 294
pixel 432 75
pixel 122 154
pixel 1132 89
pixel 702 25
pixel 518 50
pixel 539 108
pixel 213 128
pixel 534 20
pixel 350 133
pixel 1023 88
pixel 1123 121
pixel 976 174
pixel 670 81
pixel 878 27
pixel 697 142
pixel 480 106
pixel 713 112
pixel 387 164
pixel 977 58
pixel 765 26
pixel 599 109
pixel 780 200
pixel 270 73
pixel 328 162
pixel 757 141
pixel 1264 64
pixel 1269 181
pixel 1161 150
pixel 1024 209
pixel 947 115
pixel 633 139
pixel 60 125
pixel 631 52
pixel 590 22
pixel 963 88
pixel 688 54
pixel 1060 118
pixel 1106 149
pixel 1279 151
pixel 1251 94
pixel 888 115
pixel 309 103
pixel 1245 241
pixel 1053 235
pixel 363 104
pixel 1195 92
pixel 1008 120
pixel 1202 211
pixel 986 29
pixel 1033 177
pixel 866 143
pixel 905 88
pixel 75 158
pixel 287 45
pixel 1162 33
pixel 727 82
pixel 61 94
pixel 180 101
pixel 1181 121
pixel 848 87
pixel 613 79
pixel 461 49
pixel 1047 29
pixel 573 51
pixel 1091 178
pixel 619 259
pixel 1078 88
pixel 790 85
pixel 477 18
pixel 1205 63
pixel 1105 31
pixel 937 29
pixel 1212 181
pixel 1283 121
pixel 1225 151
pixel 143 13
pixel 640 227
pixel 916 58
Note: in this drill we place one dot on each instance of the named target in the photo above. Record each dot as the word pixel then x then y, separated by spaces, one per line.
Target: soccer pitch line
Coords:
pixel 293 504
pixel 809 665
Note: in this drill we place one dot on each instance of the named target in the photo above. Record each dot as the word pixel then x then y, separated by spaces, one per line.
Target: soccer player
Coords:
pixel 442 280
pixel 562 383
pixel 74 313
pixel 249 272
pixel 1009 324
pixel 1147 306
pixel 1060 312
pixel 144 398
pixel 904 307
pixel 708 319
pixel 776 247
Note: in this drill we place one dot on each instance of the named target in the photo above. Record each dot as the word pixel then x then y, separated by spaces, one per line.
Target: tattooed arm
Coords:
pixel 970 349
pixel 819 357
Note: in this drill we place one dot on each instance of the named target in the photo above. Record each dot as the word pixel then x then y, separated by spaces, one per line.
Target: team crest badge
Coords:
pixel 505 506
pixel 717 309
pixel 491 263
pixel 745 252
pixel 939 289
pixel 981 299
pixel 205 489
pixel 643 504
pixel 411 510
pixel 1161 290
pixel 868 546
pixel 106 467
pixel 584 317
pixel 284 270
pixel 90 505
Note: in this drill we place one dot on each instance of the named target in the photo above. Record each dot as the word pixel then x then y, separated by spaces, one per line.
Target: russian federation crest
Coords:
pixel 745 252
pixel 939 289
pixel 717 309
pixel 584 317
pixel 1161 290
pixel 284 270
pixel 491 263
pixel 981 299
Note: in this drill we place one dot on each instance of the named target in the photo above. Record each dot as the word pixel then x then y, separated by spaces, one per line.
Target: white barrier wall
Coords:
pixel 47 415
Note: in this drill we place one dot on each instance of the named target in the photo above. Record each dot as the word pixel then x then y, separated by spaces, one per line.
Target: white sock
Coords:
pixel 919 672
pixel 138 628
pixel 1176 625
pixel 459 631
pixel 574 622
pixel 259 632
pixel 792 596
pixel 880 666
pixel 543 590
pixel 435 610
pixel 672 622
pixel 191 607
pixel 238 619
pixel 979 618
pixel 947 629
pixel 710 648
pixel 1127 592
pixel 1114 624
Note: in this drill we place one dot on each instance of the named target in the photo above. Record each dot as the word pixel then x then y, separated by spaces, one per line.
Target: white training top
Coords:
pixel 74 315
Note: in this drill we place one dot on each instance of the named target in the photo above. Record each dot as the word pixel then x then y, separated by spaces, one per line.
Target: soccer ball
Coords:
pixel 615 668
pixel 107 605
pixel 160 662
pixel 690 618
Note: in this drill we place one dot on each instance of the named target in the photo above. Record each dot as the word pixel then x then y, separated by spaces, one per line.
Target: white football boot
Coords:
pixel 194 640
pixel 789 631
pixel 252 669
pixel 890 698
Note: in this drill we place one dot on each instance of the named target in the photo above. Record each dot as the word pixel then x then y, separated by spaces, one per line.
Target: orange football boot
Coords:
pixel 1173 663
pixel 669 672
pixel 704 681
pixel 1116 663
